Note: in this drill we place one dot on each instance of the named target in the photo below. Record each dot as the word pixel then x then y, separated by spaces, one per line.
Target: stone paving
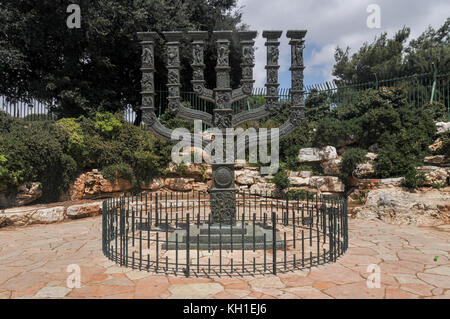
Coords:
pixel 34 261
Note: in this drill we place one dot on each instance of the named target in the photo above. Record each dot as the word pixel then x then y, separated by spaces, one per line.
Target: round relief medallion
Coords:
pixel 223 176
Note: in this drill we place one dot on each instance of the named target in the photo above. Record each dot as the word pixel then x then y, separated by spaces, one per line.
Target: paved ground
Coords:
pixel 34 260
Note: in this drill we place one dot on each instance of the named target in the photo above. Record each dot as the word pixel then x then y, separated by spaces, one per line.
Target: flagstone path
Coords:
pixel 413 261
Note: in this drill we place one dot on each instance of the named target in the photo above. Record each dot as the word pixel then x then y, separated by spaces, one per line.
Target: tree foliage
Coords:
pixel 96 67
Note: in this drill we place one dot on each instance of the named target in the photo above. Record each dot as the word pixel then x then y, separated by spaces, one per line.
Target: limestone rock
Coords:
pixel 398 206
pixel 179 184
pixel 436 160
pixel 327 184
pixel 240 163
pixel 262 188
pixel 331 167
pixel 47 215
pixel 314 154
pixel 363 170
pixel 92 185
pixel 155 185
pixel 302 174
pixel 25 194
pixel 371 156
pixel 442 127
pixel 84 210
pixel 246 177
pixel 299 181
pixel 433 174
pixel 436 146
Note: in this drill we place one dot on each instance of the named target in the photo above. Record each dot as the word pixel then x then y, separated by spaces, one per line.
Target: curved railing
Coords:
pixel 172 233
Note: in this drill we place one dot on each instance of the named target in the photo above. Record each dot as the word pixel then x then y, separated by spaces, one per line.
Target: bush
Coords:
pixel 281 180
pixel 107 124
pixel 413 179
pixel 8 178
pixel 120 170
pixel 350 160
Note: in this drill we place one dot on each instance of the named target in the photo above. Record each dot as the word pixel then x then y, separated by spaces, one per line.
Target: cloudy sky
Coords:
pixel 332 23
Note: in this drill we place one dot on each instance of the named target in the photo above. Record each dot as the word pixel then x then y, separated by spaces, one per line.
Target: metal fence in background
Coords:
pixel 422 90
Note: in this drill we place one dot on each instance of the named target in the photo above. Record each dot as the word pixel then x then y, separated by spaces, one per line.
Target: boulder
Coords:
pixel 331 167
pixel 314 154
pixel 299 181
pixel 47 215
pixel 363 170
pixel 433 174
pixel 179 184
pixel 240 163
pixel 436 160
pixel 24 194
pixel 92 185
pixel 442 127
pixel 155 185
pixel 303 174
pixel 28 215
pixel 398 206
pixel 371 156
pixel 246 177
pixel 310 154
pixel 327 184
pixel 262 188
pixel 436 146
pixel 190 170
pixel 84 210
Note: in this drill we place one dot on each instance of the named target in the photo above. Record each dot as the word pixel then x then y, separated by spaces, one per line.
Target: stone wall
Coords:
pixel 42 214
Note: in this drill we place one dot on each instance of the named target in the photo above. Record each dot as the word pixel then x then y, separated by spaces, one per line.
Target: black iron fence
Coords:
pixel 422 90
pixel 172 233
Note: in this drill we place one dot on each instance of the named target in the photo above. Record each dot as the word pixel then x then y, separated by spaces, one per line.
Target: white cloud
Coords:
pixel 333 23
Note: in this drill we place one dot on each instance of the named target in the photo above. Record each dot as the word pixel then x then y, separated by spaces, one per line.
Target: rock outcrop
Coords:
pixel 398 206
pixel 25 194
pixel 92 185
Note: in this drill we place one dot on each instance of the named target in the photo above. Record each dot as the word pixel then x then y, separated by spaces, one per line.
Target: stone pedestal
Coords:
pixel 223 194
pixel 218 236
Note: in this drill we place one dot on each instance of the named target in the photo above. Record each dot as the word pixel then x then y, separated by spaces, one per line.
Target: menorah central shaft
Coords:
pixel 223 191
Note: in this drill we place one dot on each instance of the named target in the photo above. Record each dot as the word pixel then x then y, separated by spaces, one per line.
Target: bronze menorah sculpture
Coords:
pixel 222 192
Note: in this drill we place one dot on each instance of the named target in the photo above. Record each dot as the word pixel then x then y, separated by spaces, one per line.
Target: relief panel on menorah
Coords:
pixel 297 80
pixel 223 99
pixel 173 58
pixel 147 57
pixel 272 75
pixel 297 54
pixel 197 55
pixel 297 116
pixel 147 101
pixel 223 119
pixel 197 75
pixel 173 76
pixel 223 79
pixel 147 82
pixel 174 91
pixel 248 55
pixel 272 55
pixel 223 52
pixel 247 72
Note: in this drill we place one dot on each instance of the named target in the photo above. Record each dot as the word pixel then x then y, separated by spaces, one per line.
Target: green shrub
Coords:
pixel 413 179
pixel 76 141
pixel 8 178
pixel 281 180
pixel 120 170
pixel 350 160
pixel 300 194
pixel 445 149
pixel 107 124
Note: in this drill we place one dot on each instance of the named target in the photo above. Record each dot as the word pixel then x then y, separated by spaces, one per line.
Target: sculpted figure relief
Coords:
pixel 147 57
